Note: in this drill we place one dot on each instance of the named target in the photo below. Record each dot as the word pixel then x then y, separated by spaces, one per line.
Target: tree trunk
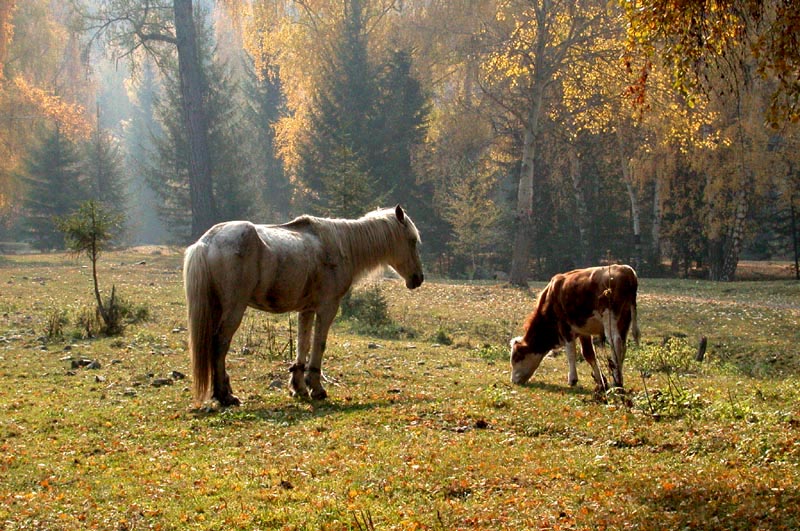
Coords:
pixel 580 204
pixel 520 255
pixel 635 214
pixel 655 246
pixel 6 11
pixel 734 249
pixel 795 244
pixel 193 98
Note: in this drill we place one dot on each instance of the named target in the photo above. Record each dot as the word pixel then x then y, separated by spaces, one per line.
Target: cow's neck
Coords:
pixel 541 335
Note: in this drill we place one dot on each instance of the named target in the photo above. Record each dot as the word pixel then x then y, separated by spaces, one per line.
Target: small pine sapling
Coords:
pixel 90 230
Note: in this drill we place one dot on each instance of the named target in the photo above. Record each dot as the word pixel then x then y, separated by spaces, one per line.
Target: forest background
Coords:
pixel 523 137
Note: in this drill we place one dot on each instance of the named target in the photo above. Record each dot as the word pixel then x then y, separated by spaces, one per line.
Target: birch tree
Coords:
pixel 530 45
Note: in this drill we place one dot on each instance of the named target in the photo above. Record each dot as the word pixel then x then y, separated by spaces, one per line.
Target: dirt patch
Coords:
pixel 765 270
pixel 156 250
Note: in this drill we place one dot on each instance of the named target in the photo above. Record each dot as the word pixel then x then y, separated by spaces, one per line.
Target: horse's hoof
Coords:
pixel 297 387
pixel 573 383
pixel 299 395
pixel 229 400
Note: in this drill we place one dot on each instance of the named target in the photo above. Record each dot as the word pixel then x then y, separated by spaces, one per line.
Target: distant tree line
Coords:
pixel 524 138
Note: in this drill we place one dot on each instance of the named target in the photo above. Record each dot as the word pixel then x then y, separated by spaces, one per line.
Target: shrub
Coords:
pixel 674 355
pixel 368 312
pixel 119 313
pixel 493 352
pixel 442 337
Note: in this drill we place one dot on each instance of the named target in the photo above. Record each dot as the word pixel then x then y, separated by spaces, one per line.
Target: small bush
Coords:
pixel 368 312
pixel 674 355
pixel 493 352
pixel 495 396
pixel 675 401
pixel 369 306
pixel 119 314
pixel 132 313
pixel 442 337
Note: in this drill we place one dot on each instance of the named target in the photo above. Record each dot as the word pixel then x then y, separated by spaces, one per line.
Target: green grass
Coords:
pixel 416 434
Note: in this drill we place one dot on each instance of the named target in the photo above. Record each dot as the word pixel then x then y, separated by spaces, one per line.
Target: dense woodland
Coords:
pixel 523 136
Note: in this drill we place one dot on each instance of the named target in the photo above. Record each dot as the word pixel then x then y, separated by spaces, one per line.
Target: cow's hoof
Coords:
pixel 573 383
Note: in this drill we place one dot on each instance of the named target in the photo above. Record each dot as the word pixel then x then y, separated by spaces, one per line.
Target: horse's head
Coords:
pixel 405 259
pixel 524 361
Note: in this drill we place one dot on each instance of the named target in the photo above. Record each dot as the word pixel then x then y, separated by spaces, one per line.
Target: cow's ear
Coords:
pixel 401 216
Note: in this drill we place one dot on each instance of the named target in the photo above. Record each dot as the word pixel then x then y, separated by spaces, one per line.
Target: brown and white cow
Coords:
pixel 578 305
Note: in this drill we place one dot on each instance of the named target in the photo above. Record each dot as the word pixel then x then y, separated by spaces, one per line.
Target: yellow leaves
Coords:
pixel 69 116
pixel 6 31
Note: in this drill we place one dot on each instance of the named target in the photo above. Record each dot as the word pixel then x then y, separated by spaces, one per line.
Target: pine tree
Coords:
pixel 90 230
pixel 234 191
pixel 400 127
pixel 342 129
pixel 267 104
pixel 54 188
pixel 472 212
pixel 167 172
pixel 103 170
pixel 683 219
pixel 144 224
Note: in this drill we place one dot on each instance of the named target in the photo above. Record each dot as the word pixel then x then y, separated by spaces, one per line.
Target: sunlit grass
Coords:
pixel 416 434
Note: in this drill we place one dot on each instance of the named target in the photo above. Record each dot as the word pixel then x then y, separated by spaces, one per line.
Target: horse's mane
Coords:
pixel 362 244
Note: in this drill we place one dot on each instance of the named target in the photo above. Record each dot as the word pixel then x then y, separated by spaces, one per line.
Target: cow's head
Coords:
pixel 524 361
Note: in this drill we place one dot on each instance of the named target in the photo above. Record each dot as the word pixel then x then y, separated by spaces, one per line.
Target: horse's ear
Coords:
pixel 401 216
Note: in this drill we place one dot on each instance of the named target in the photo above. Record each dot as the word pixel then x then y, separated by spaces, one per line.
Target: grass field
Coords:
pixel 422 430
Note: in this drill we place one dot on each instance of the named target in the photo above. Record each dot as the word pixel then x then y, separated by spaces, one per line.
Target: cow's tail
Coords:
pixel 634 324
pixel 201 304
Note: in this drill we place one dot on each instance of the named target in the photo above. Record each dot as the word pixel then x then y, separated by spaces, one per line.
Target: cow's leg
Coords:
pixel 231 319
pixel 617 342
pixel 587 348
pixel 323 323
pixel 572 377
pixel 297 384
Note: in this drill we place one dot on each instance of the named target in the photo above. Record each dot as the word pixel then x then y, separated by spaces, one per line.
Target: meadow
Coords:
pixel 422 428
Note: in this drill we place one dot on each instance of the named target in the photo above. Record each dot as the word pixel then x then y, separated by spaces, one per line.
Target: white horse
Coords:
pixel 306 265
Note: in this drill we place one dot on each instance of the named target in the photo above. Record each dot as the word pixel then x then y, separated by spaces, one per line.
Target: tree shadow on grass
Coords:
pixel 710 505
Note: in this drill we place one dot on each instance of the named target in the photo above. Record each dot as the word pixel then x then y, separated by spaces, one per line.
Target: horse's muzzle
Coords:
pixel 415 281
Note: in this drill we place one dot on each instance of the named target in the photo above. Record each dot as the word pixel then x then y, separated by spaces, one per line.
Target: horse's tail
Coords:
pixel 634 324
pixel 200 302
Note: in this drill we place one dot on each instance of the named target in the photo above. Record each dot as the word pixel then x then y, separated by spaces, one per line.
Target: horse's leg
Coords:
pixel 297 384
pixel 323 323
pixel 572 378
pixel 222 341
pixel 587 348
